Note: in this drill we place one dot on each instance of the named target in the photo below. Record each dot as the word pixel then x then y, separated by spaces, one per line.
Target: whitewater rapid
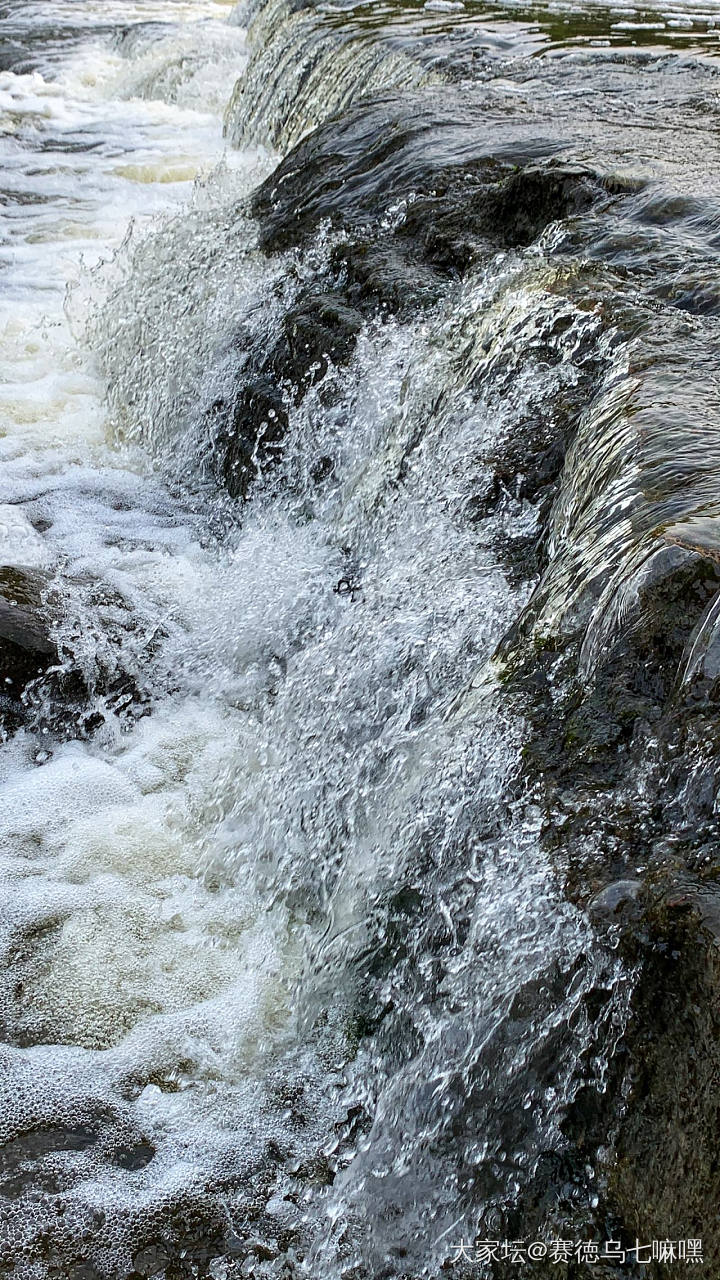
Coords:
pixel 196 883
pixel 108 923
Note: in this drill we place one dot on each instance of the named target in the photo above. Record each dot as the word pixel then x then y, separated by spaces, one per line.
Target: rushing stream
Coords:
pixel 293 981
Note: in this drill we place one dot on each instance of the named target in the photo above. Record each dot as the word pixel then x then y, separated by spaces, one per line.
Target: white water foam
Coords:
pixel 190 892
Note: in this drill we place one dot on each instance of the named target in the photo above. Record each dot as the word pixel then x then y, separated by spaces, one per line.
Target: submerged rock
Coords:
pixel 43 683
pixel 320 329
pixel 27 649
pixel 615 899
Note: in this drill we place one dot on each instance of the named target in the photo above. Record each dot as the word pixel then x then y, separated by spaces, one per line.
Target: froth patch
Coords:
pixel 114 965
pixel 41 804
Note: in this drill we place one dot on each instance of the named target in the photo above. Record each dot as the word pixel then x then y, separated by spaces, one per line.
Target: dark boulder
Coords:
pixel 255 429
pixel 665 1179
pixel 42 685
pixel 426 185
pixel 27 649
pixel 382 275
pixel 319 330
pixel 437 145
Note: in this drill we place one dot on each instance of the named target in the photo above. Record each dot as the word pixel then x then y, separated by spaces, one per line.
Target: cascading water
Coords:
pixel 294 982
pixel 301 73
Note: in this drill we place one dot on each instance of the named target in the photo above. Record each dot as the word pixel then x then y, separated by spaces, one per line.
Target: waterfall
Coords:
pixel 303 68
pixel 360 446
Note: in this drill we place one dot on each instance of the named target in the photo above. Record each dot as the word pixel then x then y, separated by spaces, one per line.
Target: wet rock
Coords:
pixel 133 1156
pixel 666 1180
pixel 584 736
pixel 626 754
pixel 526 465
pixel 502 206
pixel 352 170
pixel 422 192
pixel 320 329
pixel 18 1172
pixel 432 217
pixel 22 628
pixel 615 899
pixel 45 689
pixel 450 216
pixel 383 275
pixel 256 429
pixel 27 649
